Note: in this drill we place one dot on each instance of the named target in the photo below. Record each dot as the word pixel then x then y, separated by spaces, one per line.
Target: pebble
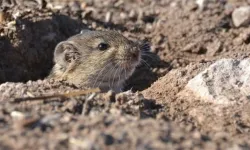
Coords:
pixel 2 17
pixel 17 115
pixel 242 38
pixel 75 6
pixel 213 47
pixel 109 96
pixel 108 16
pixel 201 3
pixel 241 16
pixel 70 105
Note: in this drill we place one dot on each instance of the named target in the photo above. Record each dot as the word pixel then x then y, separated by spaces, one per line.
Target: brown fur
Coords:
pixel 79 61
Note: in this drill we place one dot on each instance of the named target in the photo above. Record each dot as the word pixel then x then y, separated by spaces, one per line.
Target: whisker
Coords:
pixel 149 56
pixel 120 73
pixel 145 63
pixel 115 74
pixel 110 77
pixel 145 46
pixel 105 74
pixel 101 72
pixel 125 73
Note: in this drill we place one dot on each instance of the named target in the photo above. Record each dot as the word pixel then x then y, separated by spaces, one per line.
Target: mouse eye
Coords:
pixel 103 46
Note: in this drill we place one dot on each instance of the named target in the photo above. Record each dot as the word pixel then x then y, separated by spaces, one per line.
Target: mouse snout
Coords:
pixel 129 57
pixel 134 53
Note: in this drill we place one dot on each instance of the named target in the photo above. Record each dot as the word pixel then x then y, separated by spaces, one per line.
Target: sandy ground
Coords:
pixel 158 112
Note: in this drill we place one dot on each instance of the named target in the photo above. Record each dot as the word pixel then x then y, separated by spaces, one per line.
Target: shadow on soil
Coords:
pixel 29 55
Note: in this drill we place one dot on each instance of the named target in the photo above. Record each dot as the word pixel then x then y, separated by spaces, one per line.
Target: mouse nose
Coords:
pixel 134 52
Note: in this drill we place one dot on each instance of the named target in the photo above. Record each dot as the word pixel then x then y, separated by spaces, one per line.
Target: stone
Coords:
pixel 214 47
pixel 202 3
pixel 241 16
pixel 224 82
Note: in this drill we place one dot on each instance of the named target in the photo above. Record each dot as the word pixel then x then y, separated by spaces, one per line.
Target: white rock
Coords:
pixel 17 115
pixel 202 3
pixel 241 16
pixel 224 82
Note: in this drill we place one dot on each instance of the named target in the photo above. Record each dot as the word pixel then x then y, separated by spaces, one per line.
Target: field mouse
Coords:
pixel 103 59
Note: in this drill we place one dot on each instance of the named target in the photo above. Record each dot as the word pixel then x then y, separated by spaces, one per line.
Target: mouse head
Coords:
pixel 96 59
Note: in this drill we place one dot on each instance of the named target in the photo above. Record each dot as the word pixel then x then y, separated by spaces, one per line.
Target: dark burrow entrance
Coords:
pixel 27 47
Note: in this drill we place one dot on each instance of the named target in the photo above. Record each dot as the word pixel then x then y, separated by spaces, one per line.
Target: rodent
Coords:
pixel 103 59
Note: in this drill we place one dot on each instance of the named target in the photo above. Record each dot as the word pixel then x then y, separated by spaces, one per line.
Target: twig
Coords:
pixel 64 95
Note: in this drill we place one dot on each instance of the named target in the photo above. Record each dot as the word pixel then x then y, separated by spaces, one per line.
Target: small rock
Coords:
pixel 84 5
pixel 88 12
pixel 121 98
pixel 229 8
pixel 224 82
pixel 75 6
pixel 50 119
pixel 192 6
pixel 56 5
pixel 2 17
pixel 132 14
pixel 70 106
pixel 108 16
pixel 189 47
pixel 91 97
pixel 241 16
pixel 242 38
pixel 194 47
pixel 17 115
pixel 201 3
pixel 109 96
pixel 173 4
pixel 29 122
pixel 213 47
pixel 123 15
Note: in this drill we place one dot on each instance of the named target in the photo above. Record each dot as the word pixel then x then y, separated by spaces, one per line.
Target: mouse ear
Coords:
pixel 66 53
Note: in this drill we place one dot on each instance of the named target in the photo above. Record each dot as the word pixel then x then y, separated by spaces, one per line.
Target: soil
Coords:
pixel 156 111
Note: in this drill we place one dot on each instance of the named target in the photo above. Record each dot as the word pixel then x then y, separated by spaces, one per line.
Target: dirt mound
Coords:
pixel 183 106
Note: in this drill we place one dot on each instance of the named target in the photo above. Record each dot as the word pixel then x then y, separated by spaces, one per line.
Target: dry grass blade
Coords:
pixel 63 95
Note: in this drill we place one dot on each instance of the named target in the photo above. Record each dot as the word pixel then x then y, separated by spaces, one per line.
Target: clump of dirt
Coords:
pixel 184 107
pixel 90 121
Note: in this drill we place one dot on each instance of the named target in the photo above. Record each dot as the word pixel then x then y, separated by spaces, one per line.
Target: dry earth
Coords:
pixel 158 112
